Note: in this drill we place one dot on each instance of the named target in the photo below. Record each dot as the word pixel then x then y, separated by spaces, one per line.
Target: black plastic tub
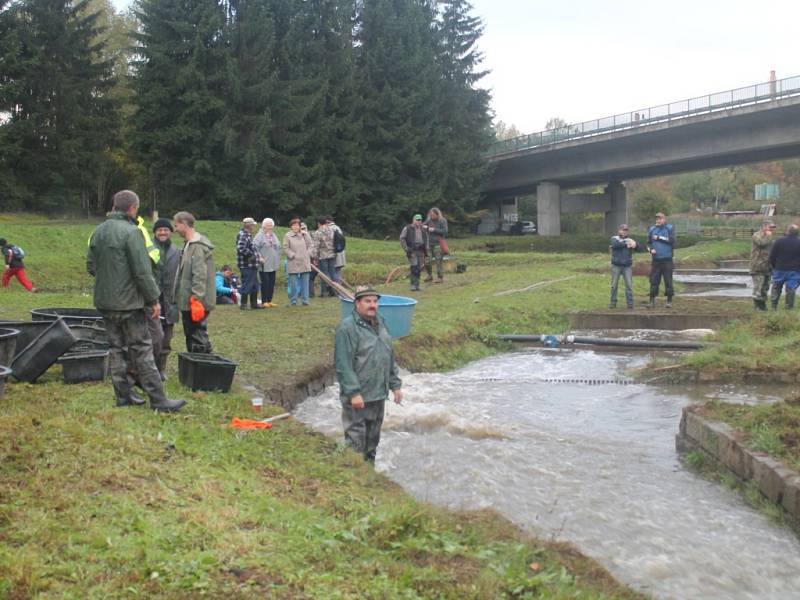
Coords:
pixel 94 333
pixel 207 372
pixel 42 352
pixel 82 346
pixel 28 331
pixel 84 366
pixel 4 372
pixel 8 344
pixel 72 316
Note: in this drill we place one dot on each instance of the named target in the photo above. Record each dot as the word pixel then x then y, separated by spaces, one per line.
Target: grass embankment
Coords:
pixel 104 502
pixel 771 428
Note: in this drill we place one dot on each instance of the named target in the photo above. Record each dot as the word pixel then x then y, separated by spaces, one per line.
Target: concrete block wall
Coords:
pixel 776 481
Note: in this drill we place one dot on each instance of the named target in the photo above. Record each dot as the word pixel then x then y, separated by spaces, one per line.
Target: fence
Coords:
pixel 752 94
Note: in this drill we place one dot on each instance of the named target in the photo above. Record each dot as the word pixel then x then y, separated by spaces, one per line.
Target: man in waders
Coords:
pixel 414 241
pixel 760 269
pixel 124 288
pixel 366 371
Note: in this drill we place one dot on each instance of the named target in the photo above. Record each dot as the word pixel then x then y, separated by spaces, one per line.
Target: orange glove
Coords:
pixel 197 308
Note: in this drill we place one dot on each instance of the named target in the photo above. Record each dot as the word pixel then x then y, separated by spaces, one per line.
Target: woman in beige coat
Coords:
pixel 297 246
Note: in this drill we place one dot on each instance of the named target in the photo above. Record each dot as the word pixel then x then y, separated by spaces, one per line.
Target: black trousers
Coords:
pixel 267 285
pixel 196 333
pixel 657 271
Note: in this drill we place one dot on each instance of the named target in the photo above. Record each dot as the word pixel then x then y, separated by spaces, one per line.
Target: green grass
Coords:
pixel 773 428
pixel 100 502
pixel 763 346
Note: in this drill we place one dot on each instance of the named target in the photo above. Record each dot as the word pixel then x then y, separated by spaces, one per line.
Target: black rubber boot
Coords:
pixel 166 405
pixel 133 399
pixel 790 294
pixel 652 303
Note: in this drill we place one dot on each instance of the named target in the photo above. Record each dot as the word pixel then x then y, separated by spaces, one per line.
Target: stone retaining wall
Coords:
pixel 723 444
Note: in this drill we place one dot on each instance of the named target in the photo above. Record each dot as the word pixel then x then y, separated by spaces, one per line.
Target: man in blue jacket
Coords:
pixel 622 248
pixel 785 260
pixel 660 242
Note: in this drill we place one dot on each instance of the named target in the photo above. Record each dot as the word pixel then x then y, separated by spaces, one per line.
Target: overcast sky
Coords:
pixel 585 59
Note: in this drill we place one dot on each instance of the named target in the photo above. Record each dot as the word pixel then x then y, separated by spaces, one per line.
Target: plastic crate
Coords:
pixel 84 366
pixel 208 372
pixel 42 352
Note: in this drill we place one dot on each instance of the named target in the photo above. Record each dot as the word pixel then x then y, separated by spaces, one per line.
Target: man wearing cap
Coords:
pixel 366 371
pixel 760 268
pixel 166 272
pixel 660 242
pixel 247 261
pixel 622 248
pixel 414 241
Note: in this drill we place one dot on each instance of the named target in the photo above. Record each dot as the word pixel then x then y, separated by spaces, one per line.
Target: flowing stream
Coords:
pixel 589 463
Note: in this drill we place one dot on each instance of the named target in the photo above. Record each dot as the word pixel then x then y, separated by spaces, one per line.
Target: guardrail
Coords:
pixel 752 94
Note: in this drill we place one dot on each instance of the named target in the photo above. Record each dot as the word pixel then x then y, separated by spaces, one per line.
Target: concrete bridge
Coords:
pixel 746 125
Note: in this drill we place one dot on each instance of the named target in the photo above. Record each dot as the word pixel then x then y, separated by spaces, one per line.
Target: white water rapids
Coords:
pixel 594 465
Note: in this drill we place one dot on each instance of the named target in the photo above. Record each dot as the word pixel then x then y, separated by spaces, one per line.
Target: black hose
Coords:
pixel 596 341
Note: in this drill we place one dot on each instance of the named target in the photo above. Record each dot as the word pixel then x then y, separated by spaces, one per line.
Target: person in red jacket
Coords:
pixel 13 265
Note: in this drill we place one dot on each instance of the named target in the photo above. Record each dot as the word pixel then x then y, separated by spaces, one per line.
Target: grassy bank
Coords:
pixel 104 502
pixel 762 347
pixel 771 428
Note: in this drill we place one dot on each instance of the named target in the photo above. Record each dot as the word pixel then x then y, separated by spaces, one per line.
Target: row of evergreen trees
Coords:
pixel 366 109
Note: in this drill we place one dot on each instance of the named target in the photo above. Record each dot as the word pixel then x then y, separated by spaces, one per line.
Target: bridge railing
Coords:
pixel 751 94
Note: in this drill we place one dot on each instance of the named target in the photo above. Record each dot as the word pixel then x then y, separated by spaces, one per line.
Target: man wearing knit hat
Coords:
pixel 166 271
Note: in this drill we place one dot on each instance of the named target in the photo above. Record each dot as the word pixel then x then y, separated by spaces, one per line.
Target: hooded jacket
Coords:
pixel 364 359
pixel 122 269
pixel 196 274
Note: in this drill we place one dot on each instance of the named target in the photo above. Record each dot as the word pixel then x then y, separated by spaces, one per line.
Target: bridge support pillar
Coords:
pixel 548 208
pixel 618 212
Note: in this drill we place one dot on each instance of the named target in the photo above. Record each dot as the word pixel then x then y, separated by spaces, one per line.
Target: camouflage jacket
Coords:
pixel 323 243
pixel 759 255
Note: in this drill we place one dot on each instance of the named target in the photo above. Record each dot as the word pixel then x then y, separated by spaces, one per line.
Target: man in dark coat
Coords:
pixel 124 286
pixel 414 241
pixel 785 260
pixel 167 271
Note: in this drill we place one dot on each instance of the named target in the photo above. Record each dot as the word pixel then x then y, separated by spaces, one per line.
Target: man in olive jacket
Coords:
pixel 366 371
pixel 124 286
pixel 195 285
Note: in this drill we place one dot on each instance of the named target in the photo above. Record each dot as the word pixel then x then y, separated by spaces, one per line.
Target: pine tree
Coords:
pixel 335 149
pixel 250 85
pixel 400 89
pixel 464 116
pixel 180 81
pixel 55 90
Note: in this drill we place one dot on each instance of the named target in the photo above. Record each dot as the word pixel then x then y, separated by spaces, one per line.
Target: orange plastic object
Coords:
pixel 197 308
pixel 238 423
